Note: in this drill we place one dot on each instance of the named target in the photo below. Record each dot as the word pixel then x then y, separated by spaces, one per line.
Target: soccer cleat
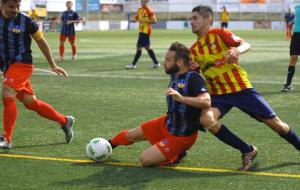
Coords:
pixel 68 129
pixel 287 88
pixel 112 146
pixel 155 66
pixel 176 161
pixel 60 59
pixel 131 66
pixel 248 159
pixel 74 57
pixel 4 144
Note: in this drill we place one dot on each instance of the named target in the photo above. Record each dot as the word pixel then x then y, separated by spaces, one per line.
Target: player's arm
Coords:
pixel 199 98
pixel 45 49
pixel 234 53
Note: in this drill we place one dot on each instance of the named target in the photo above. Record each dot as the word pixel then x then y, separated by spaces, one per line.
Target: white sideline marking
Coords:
pixel 44 72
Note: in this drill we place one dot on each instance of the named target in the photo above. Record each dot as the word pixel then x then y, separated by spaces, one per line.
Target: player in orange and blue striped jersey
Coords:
pixel 16 33
pixel 215 54
pixel 69 18
pixel 146 18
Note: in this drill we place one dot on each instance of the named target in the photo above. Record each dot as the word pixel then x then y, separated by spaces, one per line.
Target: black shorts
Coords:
pixel 295 44
pixel 144 40
pixel 224 24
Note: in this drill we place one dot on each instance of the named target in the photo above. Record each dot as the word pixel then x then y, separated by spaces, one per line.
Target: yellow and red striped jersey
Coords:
pixel 144 14
pixel 209 52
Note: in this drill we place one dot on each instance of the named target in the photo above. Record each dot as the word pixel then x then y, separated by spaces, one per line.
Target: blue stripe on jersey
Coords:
pixel 21 40
pixel 11 43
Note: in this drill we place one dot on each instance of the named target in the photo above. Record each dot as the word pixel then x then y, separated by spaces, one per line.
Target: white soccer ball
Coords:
pixel 98 149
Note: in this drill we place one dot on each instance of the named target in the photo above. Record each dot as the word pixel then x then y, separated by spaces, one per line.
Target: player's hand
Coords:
pixel 69 22
pixel 59 71
pixel 133 19
pixel 175 94
pixel 194 66
pixel 232 55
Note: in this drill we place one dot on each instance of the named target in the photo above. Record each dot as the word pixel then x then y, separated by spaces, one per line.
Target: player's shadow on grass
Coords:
pixel 125 177
pixel 283 165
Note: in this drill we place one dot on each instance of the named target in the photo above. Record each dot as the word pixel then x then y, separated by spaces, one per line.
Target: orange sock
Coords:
pixel 47 111
pixel 61 50
pixel 74 49
pixel 10 113
pixel 121 139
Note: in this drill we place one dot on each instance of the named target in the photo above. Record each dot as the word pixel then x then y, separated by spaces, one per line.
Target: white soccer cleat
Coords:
pixel 4 144
pixel 155 66
pixel 131 66
pixel 74 57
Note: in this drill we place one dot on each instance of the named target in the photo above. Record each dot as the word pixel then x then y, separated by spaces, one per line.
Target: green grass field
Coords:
pixel 105 98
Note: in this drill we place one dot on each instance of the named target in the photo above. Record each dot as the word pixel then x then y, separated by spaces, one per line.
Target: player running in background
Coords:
pixel 17 29
pixel 146 18
pixel 289 21
pixel 215 54
pixel 294 51
pixel 174 133
pixel 69 18
pixel 224 17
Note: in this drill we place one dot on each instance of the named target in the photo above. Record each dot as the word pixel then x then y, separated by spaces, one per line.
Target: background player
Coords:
pixel 174 133
pixel 294 51
pixel 224 17
pixel 68 18
pixel 17 68
pixel 146 18
pixel 289 21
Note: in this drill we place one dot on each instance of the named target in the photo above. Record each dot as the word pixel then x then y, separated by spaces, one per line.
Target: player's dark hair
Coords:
pixel 5 1
pixel 204 11
pixel 181 52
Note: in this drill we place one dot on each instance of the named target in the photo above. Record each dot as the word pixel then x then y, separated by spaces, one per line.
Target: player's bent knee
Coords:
pixel 145 161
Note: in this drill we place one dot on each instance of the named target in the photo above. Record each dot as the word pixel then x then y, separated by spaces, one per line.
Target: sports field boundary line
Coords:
pixel 44 72
pixel 179 168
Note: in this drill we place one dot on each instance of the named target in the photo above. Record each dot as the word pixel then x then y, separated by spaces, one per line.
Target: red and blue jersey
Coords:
pixel 68 29
pixel 15 39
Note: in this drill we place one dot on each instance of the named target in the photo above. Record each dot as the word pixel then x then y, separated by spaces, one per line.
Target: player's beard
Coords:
pixel 172 70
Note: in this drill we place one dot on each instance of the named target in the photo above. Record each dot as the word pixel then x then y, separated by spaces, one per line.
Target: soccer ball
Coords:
pixel 98 149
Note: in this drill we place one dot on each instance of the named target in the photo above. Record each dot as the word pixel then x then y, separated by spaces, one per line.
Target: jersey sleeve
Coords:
pixel 75 16
pixel 196 85
pixel 31 26
pixel 229 38
pixel 149 12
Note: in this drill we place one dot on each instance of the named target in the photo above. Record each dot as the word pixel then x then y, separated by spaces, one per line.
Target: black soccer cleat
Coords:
pixel 68 129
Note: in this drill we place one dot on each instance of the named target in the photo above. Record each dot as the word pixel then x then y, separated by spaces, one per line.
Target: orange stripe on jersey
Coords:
pixel 238 78
pixel 200 48
pixel 213 88
pixel 229 82
pixel 222 87
pixel 208 45
pixel 218 47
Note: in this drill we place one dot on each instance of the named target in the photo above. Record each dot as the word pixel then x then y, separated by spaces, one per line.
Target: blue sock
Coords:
pixel 232 140
pixel 292 138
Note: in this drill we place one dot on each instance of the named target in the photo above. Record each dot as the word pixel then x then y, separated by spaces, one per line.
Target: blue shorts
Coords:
pixel 248 101
pixel 144 40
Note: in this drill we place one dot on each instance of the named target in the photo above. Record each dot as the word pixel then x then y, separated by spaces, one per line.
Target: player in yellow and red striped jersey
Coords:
pixel 146 18
pixel 215 54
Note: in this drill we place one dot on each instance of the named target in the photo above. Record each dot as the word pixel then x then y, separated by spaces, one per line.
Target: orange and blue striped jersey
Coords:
pixel 15 39
pixel 145 14
pixel 209 52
